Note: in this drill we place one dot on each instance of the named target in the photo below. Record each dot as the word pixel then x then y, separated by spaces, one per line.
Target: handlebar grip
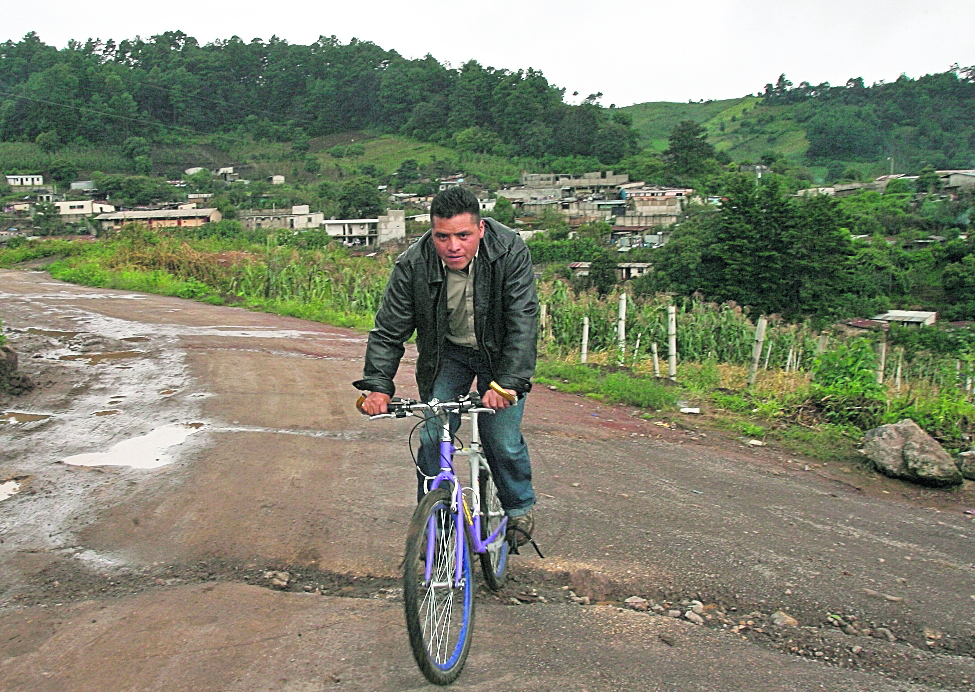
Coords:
pixel 358 403
pixel 505 394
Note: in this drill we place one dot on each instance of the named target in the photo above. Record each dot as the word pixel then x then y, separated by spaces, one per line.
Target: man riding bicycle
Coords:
pixel 467 288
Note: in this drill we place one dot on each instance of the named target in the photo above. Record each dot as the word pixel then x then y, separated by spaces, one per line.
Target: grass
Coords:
pixel 607 385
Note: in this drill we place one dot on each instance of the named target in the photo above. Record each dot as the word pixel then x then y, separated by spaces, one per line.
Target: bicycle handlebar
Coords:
pixel 401 408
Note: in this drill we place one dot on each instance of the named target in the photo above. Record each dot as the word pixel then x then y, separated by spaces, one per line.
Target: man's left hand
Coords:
pixel 492 399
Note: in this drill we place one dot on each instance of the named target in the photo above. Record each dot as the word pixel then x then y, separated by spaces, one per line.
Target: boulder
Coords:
pixel 903 450
pixel 966 464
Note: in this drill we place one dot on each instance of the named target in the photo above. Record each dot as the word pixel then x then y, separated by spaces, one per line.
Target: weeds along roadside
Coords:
pixel 814 390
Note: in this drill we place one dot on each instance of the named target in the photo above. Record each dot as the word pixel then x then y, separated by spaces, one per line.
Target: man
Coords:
pixel 468 289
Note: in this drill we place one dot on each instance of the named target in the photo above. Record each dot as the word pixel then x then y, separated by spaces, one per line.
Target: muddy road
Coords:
pixel 189 500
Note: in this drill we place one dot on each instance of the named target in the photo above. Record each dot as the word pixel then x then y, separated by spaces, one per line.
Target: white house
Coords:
pixel 392 226
pixel 79 209
pixel 25 180
pixel 907 318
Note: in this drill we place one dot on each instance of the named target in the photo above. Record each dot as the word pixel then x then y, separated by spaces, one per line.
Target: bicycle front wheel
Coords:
pixel 439 606
pixel 494 561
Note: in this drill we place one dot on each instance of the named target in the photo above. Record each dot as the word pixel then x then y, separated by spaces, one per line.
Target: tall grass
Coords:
pixel 804 376
pixel 325 284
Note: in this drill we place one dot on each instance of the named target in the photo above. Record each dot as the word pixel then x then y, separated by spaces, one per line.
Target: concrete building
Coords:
pixel 159 218
pixel 297 218
pixel 907 318
pixel 596 181
pixel 72 212
pixel 25 180
pixel 377 231
pixel 276 179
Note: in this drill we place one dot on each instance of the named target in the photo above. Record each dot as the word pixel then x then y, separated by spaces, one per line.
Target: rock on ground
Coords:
pixel 966 464
pixel 904 450
pixel 10 381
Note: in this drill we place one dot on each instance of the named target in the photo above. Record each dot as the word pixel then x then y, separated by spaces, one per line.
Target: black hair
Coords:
pixel 454 201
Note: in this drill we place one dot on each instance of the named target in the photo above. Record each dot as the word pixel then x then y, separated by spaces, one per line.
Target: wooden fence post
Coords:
pixel 585 338
pixel 656 360
pixel 636 349
pixel 757 349
pixel 900 365
pixel 621 327
pixel 672 342
pixel 882 352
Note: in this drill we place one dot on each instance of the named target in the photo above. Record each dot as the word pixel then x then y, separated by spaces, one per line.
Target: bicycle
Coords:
pixel 451 523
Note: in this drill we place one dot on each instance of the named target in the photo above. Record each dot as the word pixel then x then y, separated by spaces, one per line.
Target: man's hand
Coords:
pixel 492 399
pixel 375 403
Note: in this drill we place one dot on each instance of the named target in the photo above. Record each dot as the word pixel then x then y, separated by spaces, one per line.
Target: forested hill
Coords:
pixel 170 85
pixel 928 120
pixel 169 88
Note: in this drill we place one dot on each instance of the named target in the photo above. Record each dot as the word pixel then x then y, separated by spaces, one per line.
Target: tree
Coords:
pixel 688 150
pixel 958 280
pixel 49 142
pixel 47 219
pixel 503 211
pixel 408 171
pixel 360 199
pixel 479 140
pixel 602 272
pixel 928 180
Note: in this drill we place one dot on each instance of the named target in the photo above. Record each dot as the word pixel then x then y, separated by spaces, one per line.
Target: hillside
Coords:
pixel 929 120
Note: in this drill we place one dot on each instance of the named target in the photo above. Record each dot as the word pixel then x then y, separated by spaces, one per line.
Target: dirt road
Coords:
pixel 175 456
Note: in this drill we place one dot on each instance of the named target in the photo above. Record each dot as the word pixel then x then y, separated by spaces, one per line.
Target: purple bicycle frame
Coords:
pixel 448 479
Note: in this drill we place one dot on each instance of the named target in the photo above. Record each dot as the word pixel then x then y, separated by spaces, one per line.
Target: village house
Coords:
pixel 32 186
pixel 391 226
pixel 75 211
pixel 596 181
pixel 159 218
pixel 25 180
pixel 907 318
pixel 298 218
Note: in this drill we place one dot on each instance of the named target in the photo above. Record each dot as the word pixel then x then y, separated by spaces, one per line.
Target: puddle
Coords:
pixel 53 332
pixel 8 489
pixel 135 339
pixel 146 452
pixel 96 358
pixel 14 417
pixel 108 412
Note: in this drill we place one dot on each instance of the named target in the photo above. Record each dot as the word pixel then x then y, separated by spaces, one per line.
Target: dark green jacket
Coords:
pixel 505 313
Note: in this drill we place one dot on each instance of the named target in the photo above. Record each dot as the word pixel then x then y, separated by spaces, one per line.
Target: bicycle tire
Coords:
pixel 494 561
pixel 439 614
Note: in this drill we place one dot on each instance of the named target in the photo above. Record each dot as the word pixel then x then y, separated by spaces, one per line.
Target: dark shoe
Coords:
pixel 520 528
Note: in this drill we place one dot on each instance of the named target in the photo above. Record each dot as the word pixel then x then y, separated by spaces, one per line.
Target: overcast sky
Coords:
pixel 631 50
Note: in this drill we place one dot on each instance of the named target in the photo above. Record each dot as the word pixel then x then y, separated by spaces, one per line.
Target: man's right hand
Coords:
pixel 375 403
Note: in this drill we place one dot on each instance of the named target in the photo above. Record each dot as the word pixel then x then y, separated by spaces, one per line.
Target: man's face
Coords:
pixel 457 239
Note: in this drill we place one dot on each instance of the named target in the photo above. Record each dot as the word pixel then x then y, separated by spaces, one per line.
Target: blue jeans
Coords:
pixel 501 438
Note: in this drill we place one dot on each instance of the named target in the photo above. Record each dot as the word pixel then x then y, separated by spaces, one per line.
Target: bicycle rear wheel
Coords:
pixel 439 611
pixel 494 561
